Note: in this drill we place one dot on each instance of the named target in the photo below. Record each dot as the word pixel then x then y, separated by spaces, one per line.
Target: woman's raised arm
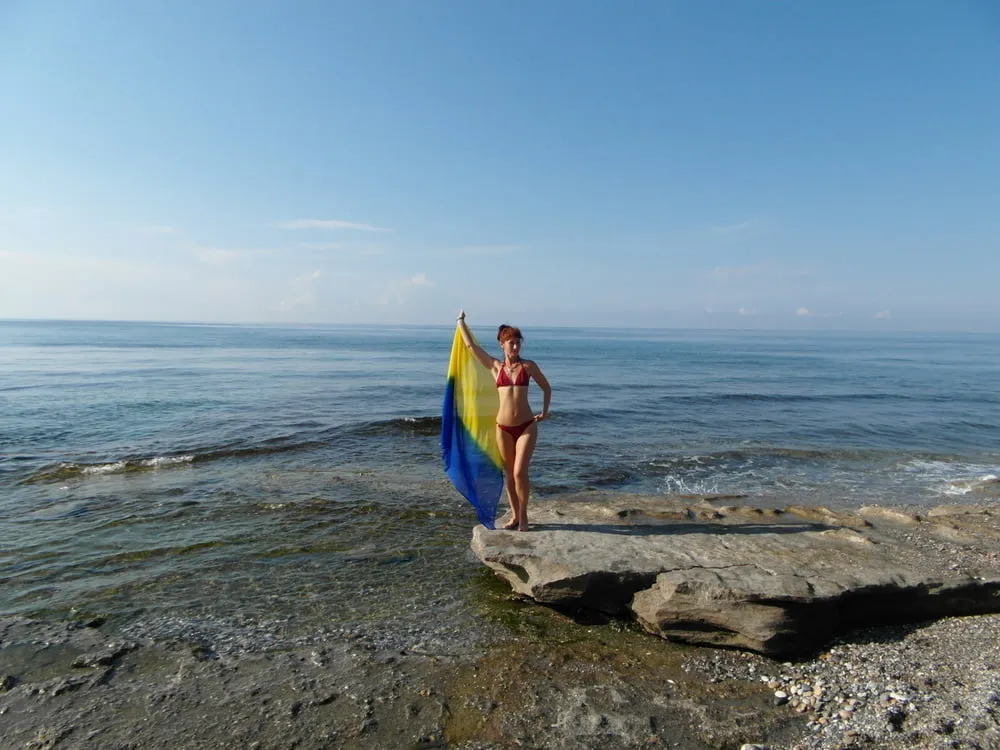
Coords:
pixel 470 343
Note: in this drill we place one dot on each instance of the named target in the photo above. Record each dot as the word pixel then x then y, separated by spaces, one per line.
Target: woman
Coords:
pixel 517 430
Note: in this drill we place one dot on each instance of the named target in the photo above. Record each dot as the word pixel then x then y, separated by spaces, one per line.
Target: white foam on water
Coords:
pixel 677 485
pixel 104 468
pixel 159 461
pixel 965 486
pixel 951 478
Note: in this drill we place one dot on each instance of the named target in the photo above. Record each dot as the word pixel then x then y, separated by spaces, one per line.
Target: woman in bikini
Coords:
pixel 517 430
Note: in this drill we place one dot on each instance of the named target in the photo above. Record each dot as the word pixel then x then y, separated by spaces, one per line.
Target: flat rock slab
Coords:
pixel 780 581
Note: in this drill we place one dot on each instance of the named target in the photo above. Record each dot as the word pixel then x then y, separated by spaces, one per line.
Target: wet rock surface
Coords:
pixel 780 581
pixel 541 680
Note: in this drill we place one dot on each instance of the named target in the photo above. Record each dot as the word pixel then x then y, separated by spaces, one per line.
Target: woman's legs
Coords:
pixel 516 455
pixel 524 447
pixel 507 446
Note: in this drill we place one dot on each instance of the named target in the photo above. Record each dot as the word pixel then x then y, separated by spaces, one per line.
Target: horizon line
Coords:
pixel 562 326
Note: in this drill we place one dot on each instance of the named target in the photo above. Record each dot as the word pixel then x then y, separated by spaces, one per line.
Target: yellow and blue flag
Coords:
pixel 468 432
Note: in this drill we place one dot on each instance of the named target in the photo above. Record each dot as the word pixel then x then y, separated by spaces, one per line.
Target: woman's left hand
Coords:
pixel 540 417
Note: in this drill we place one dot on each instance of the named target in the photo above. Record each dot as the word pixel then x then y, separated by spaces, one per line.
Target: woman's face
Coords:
pixel 511 347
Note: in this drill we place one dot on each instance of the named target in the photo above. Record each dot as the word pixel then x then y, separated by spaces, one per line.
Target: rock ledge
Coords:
pixel 778 581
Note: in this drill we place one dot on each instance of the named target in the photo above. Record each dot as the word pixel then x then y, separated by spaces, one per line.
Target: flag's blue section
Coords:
pixel 468 433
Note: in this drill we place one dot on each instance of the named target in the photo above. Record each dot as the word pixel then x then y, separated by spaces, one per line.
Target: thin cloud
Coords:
pixel 328 225
pixel 300 292
pixel 419 280
pixel 731 229
pixel 220 256
pixel 361 248
pixel 164 230
pixel 765 270
pixel 803 312
pixel 883 315
pixel 400 289
pixel 217 256
pixel 728 273
pixel 481 250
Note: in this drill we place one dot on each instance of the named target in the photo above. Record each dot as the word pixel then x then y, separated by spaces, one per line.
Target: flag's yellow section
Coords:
pixel 476 399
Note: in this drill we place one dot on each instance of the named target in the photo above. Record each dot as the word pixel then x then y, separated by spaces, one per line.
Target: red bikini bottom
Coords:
pixel 516 430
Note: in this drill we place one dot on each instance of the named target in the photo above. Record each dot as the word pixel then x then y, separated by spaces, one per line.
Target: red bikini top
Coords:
pixel 504 379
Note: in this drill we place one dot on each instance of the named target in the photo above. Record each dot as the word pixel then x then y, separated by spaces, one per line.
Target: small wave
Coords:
pixel 71 470
pixel 423 426
pixel 302 440
pixel 721 471
pixel 115 468
pixel 759 454
pixel 955 478
pixel 607 476
pixel 548 489
pixel 168 460
pixel 674 485
pixel 985 485
pixel 789 397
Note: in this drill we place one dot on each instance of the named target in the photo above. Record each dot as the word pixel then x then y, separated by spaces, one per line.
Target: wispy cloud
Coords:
pixel 328 225
pixel 399 290
pixel 802 312
pixel 217 256
pixel 731 229
pixel 730 273
pixel 883 315
pixel 164 229
pixel 762 270
pixel 419 280
pixel 481 250
pixel 361 248
pixel 300 292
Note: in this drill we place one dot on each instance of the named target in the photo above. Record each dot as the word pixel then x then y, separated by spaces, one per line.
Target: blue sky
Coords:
pixel 749 163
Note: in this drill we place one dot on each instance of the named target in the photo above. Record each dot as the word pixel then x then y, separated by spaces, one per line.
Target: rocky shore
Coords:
pixel 930 685
pixel 524 676
pixel 779 581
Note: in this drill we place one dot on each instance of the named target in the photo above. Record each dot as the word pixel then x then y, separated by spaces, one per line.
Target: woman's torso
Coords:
pixel 512 388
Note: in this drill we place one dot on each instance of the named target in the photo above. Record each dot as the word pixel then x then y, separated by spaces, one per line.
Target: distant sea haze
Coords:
pixel 238 474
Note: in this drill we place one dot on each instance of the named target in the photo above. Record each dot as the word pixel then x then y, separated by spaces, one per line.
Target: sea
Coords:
pixel 288 479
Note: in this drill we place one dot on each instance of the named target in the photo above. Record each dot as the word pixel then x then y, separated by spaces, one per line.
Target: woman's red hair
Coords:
pixel 506 332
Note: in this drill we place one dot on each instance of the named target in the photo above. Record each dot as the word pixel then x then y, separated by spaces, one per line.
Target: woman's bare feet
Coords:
pixel 511 525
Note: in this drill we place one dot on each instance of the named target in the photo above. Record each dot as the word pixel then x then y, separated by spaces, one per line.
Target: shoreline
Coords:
pixel 518 674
